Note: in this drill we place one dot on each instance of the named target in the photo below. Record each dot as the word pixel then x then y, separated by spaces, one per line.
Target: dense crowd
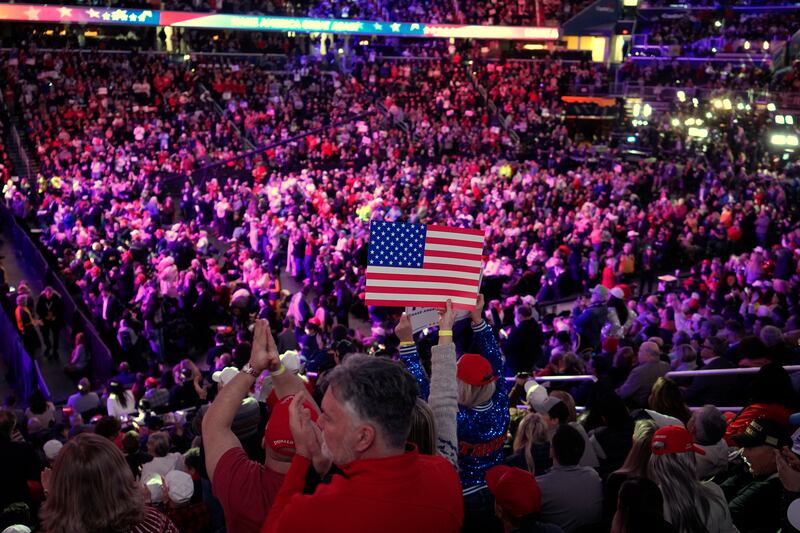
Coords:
pixel 254 389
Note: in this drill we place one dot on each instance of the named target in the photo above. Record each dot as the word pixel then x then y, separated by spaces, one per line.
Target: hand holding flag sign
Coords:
pixel 423 266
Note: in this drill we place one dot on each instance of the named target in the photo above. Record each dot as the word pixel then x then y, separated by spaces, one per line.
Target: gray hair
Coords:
pixel 378 390
pixel 709 425
pixel 686 498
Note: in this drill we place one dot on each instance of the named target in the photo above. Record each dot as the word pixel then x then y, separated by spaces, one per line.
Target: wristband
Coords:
pixel 446 332
pixel 406 343
pixel 281 370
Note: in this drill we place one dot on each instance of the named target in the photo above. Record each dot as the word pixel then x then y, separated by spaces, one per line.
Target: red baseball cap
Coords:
pixel 474 369
pixel 674 439
pixel 277 434
pixel 150 382
pixel 515 490
pixel 610 344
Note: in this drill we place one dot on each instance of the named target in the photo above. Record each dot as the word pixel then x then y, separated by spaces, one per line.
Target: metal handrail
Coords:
pixel 723 371
pixel 581 377
pixel 582 408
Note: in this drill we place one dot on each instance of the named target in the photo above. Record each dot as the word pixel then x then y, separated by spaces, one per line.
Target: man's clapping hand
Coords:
pixel 306 433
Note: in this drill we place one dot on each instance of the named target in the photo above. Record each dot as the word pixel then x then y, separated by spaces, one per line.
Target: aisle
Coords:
pixel 60 385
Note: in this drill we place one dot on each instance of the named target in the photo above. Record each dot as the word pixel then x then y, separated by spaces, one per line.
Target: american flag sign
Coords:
pixel 423 265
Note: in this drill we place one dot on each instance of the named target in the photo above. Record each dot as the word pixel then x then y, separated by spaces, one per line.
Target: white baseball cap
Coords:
pixel 180 486
pixel 225 375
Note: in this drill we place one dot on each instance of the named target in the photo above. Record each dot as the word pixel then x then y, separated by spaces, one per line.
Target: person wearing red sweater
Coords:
pixel 381 484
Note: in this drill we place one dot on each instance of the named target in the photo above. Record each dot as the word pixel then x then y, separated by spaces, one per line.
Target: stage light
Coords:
pixel 708 114
pixel 779 120
pixel 791 140
pixel 771 107
pixel 747 45
pixel 681 96
pixel 717 23
pixel 778 139
pixel 717 103
pixel 675 122
pixel 726 103
pixel 637 109
pixel 700 133
pixel 740 106
pixel 695 102
pixel 765 46
pixel 699 121
pixel 789 119
pixel 689 122
pixel 647 110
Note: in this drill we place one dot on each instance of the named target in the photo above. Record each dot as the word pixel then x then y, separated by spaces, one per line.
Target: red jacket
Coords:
pixel 400 494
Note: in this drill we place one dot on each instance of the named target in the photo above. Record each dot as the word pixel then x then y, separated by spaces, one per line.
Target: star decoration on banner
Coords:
pixel 133 17
pixel 32 13
pixel 146 14
pixel 415 26
pixel 395 27
pixel 119 14
pixel 378 26
pixel 105 16
pixel 93 13
pixel 65 12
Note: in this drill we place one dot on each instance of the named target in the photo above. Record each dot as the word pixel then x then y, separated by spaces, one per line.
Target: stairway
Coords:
pixel 23 164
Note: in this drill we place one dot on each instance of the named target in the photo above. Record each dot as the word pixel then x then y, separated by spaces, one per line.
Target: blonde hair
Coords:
pixel 92 489
pixel 532 430
pixel 637 461
pixel 472 395
pixel 423 428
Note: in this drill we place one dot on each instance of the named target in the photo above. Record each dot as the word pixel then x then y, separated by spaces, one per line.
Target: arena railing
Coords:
pixel 724 372
pixel 582 408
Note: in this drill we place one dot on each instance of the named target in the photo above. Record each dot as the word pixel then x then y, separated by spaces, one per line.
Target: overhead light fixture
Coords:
pixel 675 122
pixel 681 96
pixel 771 107
pixel 779 120
pixel 726 103
pixel 647 110
pixel 747 45
pixel 689 122
pixel 789 119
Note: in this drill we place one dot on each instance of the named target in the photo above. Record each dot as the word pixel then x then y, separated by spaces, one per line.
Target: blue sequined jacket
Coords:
pixel 482 429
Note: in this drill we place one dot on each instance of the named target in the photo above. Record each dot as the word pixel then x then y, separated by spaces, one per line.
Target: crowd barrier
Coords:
pixel 102 361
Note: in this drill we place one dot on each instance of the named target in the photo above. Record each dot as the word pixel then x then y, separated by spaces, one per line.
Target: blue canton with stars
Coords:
pixel 396 244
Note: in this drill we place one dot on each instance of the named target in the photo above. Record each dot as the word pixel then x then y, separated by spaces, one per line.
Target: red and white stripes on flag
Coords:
pixel 450 269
